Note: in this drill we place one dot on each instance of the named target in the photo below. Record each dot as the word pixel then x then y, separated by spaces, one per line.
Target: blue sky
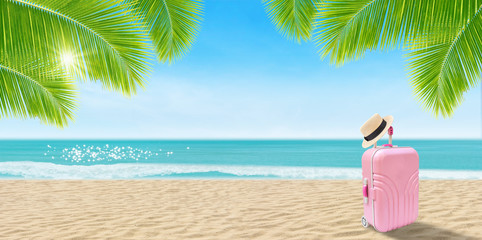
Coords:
pixel 243 80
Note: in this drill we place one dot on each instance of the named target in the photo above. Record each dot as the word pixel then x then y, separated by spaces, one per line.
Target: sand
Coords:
pixel 224 209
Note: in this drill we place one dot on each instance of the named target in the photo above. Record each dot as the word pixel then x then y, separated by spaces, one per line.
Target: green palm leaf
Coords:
pixel 444 70
pixel 442 35
pixel 346 29
pixel 36 91
pixel 172 24
pixel 293 18
pixel 102 39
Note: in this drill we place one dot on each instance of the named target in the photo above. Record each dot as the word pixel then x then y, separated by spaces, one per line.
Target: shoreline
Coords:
pixel 152 171
pixel 223 209
pixel 208 179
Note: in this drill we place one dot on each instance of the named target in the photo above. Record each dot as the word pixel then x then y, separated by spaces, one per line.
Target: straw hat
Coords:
pixel 375 128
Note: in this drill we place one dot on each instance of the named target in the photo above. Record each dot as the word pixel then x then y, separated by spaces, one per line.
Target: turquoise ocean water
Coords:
pixel 285 159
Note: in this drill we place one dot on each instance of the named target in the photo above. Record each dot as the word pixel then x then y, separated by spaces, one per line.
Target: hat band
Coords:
pixel 377 131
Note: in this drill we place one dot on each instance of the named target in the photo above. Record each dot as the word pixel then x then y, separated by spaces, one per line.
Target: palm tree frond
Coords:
pixel 102 39
pixel 443 72
pixel 173 25
pixel 293 18
pixel 346 29
pixel 29 92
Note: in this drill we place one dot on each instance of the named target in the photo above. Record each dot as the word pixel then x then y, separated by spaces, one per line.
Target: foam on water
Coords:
pixel 44 170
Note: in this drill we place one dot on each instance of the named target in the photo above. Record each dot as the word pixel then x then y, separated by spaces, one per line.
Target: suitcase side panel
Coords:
pixel 366 174
pixel 395 181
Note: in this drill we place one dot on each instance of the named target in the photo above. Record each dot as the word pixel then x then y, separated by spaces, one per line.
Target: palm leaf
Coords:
pixel 36 91
pixel 293 18
pixel 104 38
pixel 444 70
pixel 346 29
pixel 442 35
pixel 173 25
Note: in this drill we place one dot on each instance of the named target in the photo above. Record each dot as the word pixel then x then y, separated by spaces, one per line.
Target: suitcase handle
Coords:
pixel 390 133
pixel 365 190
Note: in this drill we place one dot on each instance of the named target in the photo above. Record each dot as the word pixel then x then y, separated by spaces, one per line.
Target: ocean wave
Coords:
pixel 45 170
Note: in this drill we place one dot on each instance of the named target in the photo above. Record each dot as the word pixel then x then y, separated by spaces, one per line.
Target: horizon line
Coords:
pixel 224 139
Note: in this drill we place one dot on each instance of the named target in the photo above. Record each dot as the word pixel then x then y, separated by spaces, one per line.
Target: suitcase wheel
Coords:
pixel 364 222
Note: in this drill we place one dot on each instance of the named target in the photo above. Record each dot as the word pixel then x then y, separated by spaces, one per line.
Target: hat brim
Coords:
pixel 389 120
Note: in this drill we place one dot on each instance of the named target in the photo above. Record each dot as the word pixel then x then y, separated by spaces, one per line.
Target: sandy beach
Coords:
pixel 224 209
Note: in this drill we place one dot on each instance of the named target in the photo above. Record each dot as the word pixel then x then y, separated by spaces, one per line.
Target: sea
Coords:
pixel 222 159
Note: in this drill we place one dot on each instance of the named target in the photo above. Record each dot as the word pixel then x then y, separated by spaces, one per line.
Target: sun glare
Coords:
pixel 67 59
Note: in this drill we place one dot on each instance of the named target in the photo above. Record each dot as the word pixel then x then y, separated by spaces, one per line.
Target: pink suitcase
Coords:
pixel 390 187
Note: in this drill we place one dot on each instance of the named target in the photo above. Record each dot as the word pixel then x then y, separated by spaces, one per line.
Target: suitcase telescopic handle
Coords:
pixel 390 133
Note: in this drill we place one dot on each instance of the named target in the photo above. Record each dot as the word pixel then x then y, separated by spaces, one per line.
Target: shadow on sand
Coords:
pixel 421 230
